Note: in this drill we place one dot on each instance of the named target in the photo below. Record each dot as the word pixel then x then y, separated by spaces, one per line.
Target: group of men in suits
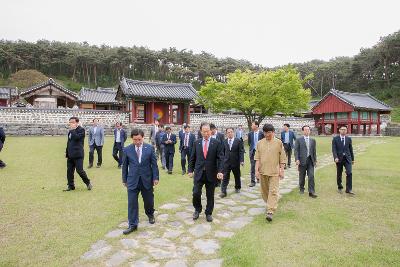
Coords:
pixel 2 141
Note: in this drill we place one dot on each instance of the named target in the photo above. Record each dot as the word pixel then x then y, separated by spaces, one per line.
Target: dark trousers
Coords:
pixel 133 207
pixel 2 164
pixel 288 152
pixel 169 160
pixel 161 155
pixel 184 155
pixel 77 164
pixel 349 175
pixel 99 150
pixel 197 190
pixel 227 173
pixel 309 169
pixel 118 152
pixel 252 166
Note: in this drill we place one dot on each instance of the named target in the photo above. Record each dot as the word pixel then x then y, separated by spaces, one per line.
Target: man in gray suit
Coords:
pixel 306 160
pixel 153 133
pixel 96 141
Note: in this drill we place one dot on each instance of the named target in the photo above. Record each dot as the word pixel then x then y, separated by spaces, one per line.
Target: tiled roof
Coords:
pixel 99 95
pixel 5 92
pixel 358 100
pixel 157 90
pixel 47 83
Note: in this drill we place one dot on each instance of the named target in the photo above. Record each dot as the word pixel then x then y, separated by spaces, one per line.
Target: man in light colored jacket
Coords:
pixel 96 142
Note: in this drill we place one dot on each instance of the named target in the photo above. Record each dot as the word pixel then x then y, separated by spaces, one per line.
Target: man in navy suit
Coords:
pixel 75 154
pixel 139 174
pixel 252 138
pixel 169 140
pixel 234 158
pixel 342 150
pixel 215 134
pixel 2 140
pixel 288 137
pixel 119 140
pixel 185 146
pixel 206 161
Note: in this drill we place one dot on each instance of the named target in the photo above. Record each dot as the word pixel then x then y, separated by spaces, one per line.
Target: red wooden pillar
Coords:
pixel 370 123
pixel 133 111
pixel 378 124
pixel 359 122
pixel 349 122
pixel 152 111
pixel 335 123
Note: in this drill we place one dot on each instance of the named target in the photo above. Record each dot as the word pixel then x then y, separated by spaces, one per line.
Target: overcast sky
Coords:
pixel 269 33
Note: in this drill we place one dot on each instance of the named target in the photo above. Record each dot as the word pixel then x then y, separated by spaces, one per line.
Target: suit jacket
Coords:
pixel 342 152
pixel 169 148
pixel 212 164
pixel 192 138
pixel 239 134
pixel 153 134
pixel 96 138
pixel 292 138
pixel 250 138
pixel 76 140
pixel 2 138
pixel 235 155
pixel 123 136
pixel 300 150
pixel 181 134
pixel 159 136
pixel 146 170
pixel 220 137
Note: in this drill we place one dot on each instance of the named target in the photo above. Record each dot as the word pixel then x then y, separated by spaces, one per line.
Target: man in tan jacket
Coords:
pixel 270 160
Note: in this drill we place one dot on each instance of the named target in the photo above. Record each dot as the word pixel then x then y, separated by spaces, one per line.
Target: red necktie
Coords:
pixel 205 148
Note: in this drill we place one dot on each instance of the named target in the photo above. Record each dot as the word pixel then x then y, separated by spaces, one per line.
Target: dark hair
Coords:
pixel 74 118
pixel 201 124
pixel 343 126
pixel 204 124
pixel 287 125
pixel 186 126
pixel 268 128
pixel 161 126
pixel 119 123
pixel 167 128
pixel 304 126
pixel 212 126
pixel 226 130
pixel 136 132
pixel 256 123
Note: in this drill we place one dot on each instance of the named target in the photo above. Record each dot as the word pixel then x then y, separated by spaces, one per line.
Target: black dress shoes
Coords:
pixel 89 187
pixel 90 166
pixel 340 191
pixel 312 195
pixel 69 189
pixel 98 166
pixel 350 193
pixel 196 215
pixel 209 218
pixel 237 190
pixel 152 220
pixel 269 217
pixel 183 172
pixel 252 184
pixel 129 230
pixel 222 195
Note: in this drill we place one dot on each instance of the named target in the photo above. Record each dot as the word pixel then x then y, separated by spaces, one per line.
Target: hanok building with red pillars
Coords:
pixel 359 112
pixel 169 103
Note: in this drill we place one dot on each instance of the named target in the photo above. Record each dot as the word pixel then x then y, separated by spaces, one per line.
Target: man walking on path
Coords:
pixel 288 137
pixel 96 142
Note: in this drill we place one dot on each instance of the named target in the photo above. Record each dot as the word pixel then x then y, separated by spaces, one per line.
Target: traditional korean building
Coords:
pixel 146 101
pixel 359 112
pixel 7 94
pixel 49 94
pixel 100 99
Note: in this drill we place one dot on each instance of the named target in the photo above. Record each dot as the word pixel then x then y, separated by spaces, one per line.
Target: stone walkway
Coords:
pixel 176 240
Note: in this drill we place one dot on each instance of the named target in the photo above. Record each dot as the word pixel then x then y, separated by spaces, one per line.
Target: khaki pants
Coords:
pixel 270 191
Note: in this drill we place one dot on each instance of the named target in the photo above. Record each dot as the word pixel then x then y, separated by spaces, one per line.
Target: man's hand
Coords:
pixel 336 160
pixel 315 164
pixel 125 184
pixel 352 163
pixel 297 162
pixel 220 176
pixel 281 173
pixel 155 182
pixel 257 174
pixel 190 174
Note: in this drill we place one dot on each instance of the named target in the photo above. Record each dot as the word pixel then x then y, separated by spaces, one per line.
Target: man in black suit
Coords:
pixel 206 161
pixel 185 146
pixel 342 150
pixel 119 142
pixel 306 160
pixel 169 140
pixel 75 154
pixel 215 134
pixel 2 141
pixel 233 159
pixel 252 138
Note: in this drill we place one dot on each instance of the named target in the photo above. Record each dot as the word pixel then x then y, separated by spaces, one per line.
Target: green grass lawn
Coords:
pixel 41 225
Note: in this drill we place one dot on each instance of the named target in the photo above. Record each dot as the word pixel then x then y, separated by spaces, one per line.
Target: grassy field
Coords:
pixel 41 225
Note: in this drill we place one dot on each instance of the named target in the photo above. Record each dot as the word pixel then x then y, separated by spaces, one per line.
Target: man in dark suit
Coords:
pixel 96 142
pixel 169 140
pixel 75 154
pixel 181 132
pixel 252 138
pixel 160 146
pixel 306 160
pixel 119 140
pixel 288 137
pixel 206 161
pixel 342 150
pixel 233 159
pixel 185 146
pixel 139 174
pixel 215 134
pixel 2 141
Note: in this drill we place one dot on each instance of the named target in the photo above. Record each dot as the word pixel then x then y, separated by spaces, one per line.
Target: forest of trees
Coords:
pixel 374 69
